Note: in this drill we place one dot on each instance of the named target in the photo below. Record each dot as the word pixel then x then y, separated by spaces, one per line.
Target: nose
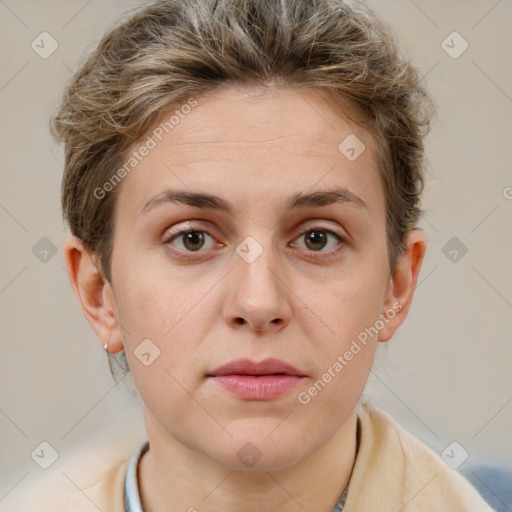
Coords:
pixel 258 296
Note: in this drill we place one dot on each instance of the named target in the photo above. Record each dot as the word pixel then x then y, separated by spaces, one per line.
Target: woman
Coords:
pixel 242 185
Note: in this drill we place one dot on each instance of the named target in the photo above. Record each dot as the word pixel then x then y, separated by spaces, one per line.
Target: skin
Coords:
pixel 254 149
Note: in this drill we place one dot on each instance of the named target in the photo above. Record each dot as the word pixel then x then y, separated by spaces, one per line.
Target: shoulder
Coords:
pixel 395 470
pixel 84 479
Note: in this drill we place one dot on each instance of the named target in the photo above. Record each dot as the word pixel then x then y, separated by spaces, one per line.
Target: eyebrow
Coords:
pixel 213 202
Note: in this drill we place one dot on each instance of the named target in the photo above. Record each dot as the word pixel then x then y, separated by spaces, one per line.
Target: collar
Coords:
pixel 131 483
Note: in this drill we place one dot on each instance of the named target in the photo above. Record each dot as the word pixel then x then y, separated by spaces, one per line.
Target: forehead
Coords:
pixel 261 144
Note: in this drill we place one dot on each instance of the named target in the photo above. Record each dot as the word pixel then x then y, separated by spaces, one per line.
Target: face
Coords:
pixel 269 269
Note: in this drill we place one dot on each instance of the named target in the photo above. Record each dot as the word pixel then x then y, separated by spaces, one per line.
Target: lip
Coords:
pixel 250 380
pixel 270 366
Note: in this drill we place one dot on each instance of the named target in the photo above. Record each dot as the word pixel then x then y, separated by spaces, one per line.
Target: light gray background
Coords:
pixel 446 375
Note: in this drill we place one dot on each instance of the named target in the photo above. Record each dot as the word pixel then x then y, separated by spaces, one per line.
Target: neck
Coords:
pixel 174 478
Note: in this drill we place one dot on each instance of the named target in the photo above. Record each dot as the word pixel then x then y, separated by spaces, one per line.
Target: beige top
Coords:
pixel 393 472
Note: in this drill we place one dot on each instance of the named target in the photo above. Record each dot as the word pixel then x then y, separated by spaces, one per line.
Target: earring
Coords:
pixel 106 346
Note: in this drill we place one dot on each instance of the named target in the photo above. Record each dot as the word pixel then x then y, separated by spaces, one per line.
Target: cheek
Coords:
pixel 173 310
pixel 337 311
pixel 344 345
pixel 163 310
pixel 152 301
pixel 344 351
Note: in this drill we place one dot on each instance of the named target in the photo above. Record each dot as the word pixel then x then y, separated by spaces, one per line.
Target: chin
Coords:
pixel 265 445
pixel 251 458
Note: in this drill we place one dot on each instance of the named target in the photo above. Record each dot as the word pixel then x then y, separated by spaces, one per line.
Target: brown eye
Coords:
pixel 316 240
pixel 193 240
pixel 323 242
pixel 189 241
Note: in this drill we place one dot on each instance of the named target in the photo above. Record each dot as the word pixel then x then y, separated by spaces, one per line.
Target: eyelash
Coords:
pixel 313 254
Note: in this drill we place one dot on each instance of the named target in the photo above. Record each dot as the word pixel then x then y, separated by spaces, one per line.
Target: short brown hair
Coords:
pixel 171 50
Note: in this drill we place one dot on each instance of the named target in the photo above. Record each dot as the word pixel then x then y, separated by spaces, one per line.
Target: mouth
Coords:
pixel 266 367
pixel 264 380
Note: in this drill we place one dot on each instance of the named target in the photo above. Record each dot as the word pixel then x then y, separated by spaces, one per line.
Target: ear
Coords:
pixel 402 284
pixel 94 293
